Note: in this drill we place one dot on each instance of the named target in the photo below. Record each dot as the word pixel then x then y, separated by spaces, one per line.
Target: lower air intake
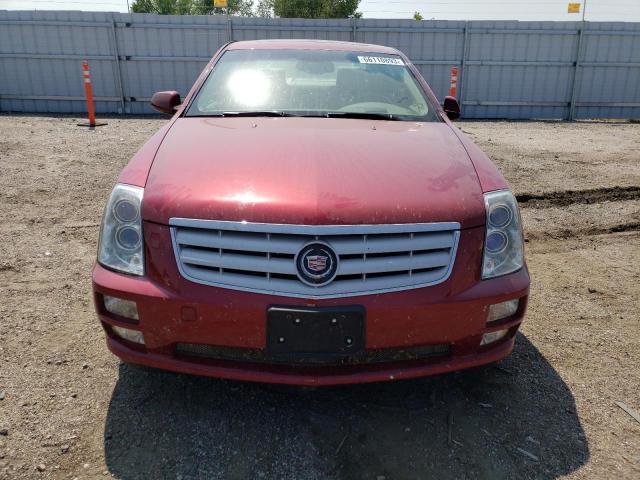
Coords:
pixel 211 352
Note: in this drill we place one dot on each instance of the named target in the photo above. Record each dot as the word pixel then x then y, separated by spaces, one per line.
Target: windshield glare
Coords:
pixel 312 83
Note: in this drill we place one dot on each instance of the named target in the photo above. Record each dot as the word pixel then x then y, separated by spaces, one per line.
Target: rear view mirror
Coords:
pixel 166 102
pixel 451 107
pixel 315 68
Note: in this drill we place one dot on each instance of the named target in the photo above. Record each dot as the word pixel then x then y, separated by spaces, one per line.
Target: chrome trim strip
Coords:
pixel 313 229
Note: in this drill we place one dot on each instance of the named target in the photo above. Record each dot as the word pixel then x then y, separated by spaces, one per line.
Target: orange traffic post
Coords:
pixel 86 77
pixel 454 82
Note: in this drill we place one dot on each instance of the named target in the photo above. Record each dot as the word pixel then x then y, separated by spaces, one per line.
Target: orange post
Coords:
pixel 454 81
pixel 87 88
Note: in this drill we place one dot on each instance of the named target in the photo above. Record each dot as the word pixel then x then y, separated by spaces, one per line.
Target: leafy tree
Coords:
pixel 191 7
pixel 417 16
pixel 236 7
pixel 265 8
pixel 163 7
pixel 311 8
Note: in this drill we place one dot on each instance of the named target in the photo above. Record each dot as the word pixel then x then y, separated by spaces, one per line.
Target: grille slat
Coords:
pixel 293 287
pixel 384 244
pixel 236 262
pixel 230 241
pixel 394 263
pixel 261 257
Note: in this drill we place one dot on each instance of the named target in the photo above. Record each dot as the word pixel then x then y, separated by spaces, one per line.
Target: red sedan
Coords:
pixel 310 216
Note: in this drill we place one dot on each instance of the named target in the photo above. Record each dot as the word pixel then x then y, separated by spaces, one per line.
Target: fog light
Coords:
pixel 498 311
pixel 121 307
pixel 493 337
pixel 134 336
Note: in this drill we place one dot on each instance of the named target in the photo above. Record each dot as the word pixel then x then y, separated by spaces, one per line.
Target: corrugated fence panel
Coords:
pixel 608 83
pixel 508 69
pixel 41 58
pixel 518 69
pixel 434 47
pixel 264 29
pixel 164 52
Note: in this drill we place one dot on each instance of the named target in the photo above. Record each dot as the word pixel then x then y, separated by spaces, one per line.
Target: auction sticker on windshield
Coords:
pixel 381 60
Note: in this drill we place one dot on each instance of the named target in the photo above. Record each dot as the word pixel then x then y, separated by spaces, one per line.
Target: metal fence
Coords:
pixel 509 69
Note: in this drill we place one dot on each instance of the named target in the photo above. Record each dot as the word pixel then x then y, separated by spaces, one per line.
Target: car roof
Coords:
pixel 303 44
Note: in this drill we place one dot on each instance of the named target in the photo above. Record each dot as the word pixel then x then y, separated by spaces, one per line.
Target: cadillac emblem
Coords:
pixel 317 264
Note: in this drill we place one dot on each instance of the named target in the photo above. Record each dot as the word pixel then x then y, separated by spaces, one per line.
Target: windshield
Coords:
pixel 312 83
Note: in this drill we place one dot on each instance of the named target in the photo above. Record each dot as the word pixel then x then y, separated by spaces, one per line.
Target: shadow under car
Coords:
pixel 513 419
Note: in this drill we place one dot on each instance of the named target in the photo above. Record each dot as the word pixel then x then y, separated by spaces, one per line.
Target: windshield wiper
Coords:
pixel 259 113
pixel 363 115
pixel 279 113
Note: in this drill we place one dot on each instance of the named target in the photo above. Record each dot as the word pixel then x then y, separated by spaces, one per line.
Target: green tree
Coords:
pixel 243 8
pixel 265 8
pixel 311 8
pixel 417 16
pixel 191 7
pixel 163 7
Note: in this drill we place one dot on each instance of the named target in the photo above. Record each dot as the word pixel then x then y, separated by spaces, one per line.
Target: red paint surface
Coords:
pixel 310 171
pixel 315 377
pixel 283 44
pixel 489 176
pixel 453 312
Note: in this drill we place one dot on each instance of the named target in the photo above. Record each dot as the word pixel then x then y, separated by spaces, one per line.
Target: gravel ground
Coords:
pixel 69 409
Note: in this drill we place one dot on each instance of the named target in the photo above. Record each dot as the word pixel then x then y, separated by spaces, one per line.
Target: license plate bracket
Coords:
pixel 301 332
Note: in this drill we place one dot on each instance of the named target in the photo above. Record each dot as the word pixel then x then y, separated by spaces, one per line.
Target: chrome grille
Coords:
pixel 260 257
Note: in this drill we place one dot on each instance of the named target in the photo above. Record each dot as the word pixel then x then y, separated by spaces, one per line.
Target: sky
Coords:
pixel 596 10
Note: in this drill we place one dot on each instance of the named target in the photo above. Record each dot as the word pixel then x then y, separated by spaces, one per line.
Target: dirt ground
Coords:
pixel 70 409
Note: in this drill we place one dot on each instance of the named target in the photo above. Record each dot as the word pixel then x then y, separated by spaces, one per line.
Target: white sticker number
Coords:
pixel 381 60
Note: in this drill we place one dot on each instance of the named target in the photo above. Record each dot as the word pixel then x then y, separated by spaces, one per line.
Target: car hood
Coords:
pixel 314 171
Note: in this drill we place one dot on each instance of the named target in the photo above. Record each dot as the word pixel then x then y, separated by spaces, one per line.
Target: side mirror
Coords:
pixel 166 102
pixel 451 107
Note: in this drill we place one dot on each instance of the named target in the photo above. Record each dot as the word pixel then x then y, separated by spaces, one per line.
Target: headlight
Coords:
pixel 503 244
pixel 121 246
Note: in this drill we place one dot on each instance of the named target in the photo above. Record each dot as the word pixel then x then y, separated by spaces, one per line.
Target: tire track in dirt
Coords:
pixel 563 208
pixel 567 234
pixel 570 197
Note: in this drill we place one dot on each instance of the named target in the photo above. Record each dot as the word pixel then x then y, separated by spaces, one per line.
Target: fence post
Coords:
pixel 354 28
pixel 116 56
pixel 229 27
pixel 577 73
pixel 463 67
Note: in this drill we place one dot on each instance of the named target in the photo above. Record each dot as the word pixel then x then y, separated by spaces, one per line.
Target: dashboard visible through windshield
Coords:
pixel 312 83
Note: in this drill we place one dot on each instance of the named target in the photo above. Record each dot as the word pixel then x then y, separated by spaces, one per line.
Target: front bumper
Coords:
pixel 173 310
pixel 311 376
